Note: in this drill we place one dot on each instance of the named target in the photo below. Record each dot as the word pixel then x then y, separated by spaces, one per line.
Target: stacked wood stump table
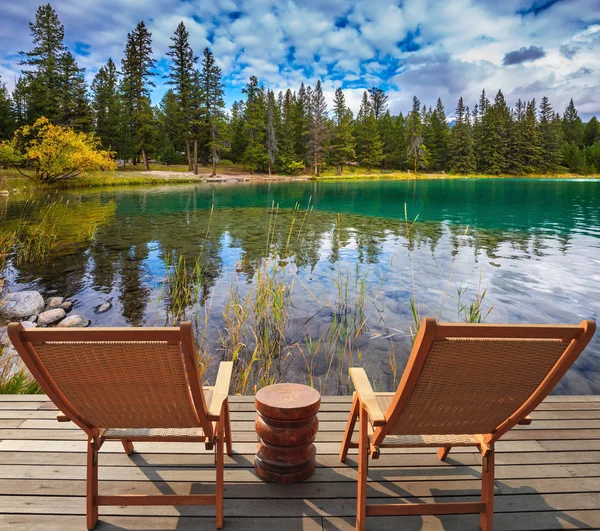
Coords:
pixel 286 425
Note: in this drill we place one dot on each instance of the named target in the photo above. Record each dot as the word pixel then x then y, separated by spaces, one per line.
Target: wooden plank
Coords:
pixel 323 448
pixel 20 522
pixel 323 474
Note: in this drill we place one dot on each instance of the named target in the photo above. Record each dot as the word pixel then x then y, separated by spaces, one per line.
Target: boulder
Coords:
pixel 54 302
pixel 74 321
pixel 32 318
pixel 66 306
pixel 50 316
pixel 22 304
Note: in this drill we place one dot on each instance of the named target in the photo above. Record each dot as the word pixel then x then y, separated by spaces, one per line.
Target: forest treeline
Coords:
pixel 285 132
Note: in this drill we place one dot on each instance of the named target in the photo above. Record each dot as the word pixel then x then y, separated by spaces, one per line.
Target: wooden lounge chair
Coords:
pixel 131 384
pixel 464 385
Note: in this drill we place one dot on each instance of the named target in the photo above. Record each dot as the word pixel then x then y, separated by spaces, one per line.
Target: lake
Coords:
pixel 351 254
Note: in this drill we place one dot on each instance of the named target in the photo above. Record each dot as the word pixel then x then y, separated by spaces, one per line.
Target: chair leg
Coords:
pixel 443 452
pixel 127 446
pixel 486 518
pixel 228 441
pixel 92 485
pixel 363 470
pixel 220 473
pixel 349 429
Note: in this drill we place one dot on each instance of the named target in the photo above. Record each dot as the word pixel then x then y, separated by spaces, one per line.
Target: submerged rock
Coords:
pixel 104 307
pixel 22 304
pixel 66 306
pixel 74 321
pixel 50 316
pixel 54 302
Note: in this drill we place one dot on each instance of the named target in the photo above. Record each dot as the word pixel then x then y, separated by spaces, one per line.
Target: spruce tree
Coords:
pixel 438 147
pixel 388 135
pixel 212 102
pixel 238 140
pixel 168 128
pixel 550 137
pixel 75 109
pixel 271 140
pixel 572 126
pixel 106 106
pixel 370 147
pixel 287 161
pixel 318 126
pixel 343 139
pixel 42 76
pixel 302 122
pixel 7 118
pixel 414 126
pixel 462 158
pixel 181 76
pixel 532 150
pixel 379 101
pixel 136 68
pixel 591 133
pixel 255 155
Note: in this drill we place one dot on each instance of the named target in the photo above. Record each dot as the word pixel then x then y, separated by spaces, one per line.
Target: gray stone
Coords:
pixel 28 324
pixel 74 321
pixel 32 318
pixel 66 306
pixel 22 304
pixel 50 316
pixel 54 302
pixel 104 307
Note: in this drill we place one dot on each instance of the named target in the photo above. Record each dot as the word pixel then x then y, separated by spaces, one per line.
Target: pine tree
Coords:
pixel 572 125
pixel 7 118
pixel 379 101
pixel 137 74
pixel 532 150
pixel 388 135
pixel 591 133
pixel 370 147
pixel 19 100
pixel 168 128
pixel 106 106
pixel 271 141
pixel 550 137
pixel 414 125
pixel 343 140
pixel 255 155
pixel 181 76
pixel 43 77
pixel 481 132
pixel 462 158
pixel 318 126
pixel 212 102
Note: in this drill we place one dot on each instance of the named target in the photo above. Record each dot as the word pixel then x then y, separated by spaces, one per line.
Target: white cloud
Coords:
pixel 431 48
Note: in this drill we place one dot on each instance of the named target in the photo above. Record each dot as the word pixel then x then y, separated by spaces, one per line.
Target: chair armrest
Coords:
pixel 221 390
pixel 366 395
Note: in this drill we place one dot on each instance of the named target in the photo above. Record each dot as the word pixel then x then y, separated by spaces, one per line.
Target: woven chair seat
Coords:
pixel 134 433
pixel 384 400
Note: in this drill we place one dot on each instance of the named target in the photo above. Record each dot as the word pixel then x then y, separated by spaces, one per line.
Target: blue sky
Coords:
pixel 451 48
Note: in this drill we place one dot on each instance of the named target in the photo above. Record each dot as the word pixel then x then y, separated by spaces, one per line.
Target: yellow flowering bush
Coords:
pixel 47 153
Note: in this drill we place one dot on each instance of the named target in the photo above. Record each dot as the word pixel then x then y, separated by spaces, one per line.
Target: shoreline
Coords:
pixel 19 185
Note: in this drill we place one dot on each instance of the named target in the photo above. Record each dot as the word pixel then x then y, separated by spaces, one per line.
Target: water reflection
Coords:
pixel 534 245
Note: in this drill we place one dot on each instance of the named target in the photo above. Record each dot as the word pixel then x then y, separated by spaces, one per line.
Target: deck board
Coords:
pixel 548 476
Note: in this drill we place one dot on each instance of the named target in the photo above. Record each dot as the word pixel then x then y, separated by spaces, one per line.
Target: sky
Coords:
pixel 446 49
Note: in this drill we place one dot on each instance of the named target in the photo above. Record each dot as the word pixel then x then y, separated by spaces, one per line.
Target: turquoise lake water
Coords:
pixel 533 246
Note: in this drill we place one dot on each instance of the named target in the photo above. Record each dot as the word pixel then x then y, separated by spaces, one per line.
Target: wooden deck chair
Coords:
pixel 464 385
pixel 131 384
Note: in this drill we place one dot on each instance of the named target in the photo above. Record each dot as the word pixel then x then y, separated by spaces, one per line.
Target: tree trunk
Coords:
pixel 195 156
pixel 415 166
pixel 145 159
pixel 214 151
pixel 338 169
pixel 269 167
pixel 188 152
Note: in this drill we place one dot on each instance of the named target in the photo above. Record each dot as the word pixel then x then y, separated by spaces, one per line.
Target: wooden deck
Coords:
pixel 548 476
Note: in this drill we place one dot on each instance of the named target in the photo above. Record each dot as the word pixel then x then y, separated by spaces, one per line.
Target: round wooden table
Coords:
pixel 286 426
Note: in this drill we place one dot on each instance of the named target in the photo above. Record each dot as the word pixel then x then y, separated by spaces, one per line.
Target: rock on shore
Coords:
pixel 22 304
